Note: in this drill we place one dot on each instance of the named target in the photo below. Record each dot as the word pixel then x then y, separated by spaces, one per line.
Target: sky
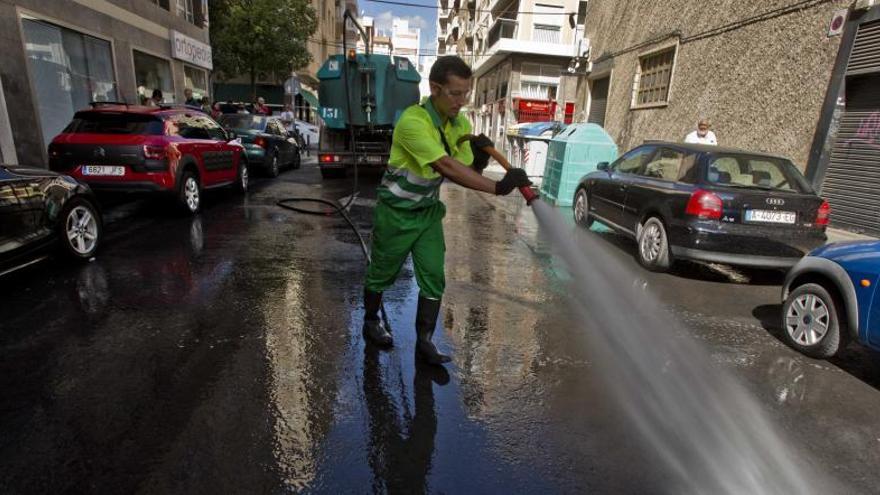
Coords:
pixel 424 19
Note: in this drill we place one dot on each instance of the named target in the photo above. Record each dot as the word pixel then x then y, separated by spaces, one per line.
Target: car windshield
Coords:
pixel 244 122
pixel 114 123
pixel 756 172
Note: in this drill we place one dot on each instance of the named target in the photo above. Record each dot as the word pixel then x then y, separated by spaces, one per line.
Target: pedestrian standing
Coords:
pixel 156 99
pixel 216 110
pixel 408 218
pixel 703 134
pixel 260 107
pixel 288 118
pixel 188 98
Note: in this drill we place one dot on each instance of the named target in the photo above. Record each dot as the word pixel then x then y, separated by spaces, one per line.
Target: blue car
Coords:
pixel 830 298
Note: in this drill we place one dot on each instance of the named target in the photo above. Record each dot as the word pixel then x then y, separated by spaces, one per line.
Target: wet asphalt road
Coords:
pixel 222 354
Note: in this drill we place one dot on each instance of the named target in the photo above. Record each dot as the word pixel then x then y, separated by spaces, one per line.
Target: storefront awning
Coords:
pixel 309 97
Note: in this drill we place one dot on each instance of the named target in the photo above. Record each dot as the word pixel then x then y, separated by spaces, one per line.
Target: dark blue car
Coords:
pixel 830 298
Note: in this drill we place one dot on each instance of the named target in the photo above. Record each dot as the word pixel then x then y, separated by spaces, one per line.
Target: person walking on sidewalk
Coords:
pixel 408 218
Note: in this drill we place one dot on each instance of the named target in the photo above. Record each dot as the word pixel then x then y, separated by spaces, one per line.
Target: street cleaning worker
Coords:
pixel 408 218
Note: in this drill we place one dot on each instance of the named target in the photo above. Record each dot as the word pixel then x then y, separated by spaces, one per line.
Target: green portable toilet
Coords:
pixel 574 153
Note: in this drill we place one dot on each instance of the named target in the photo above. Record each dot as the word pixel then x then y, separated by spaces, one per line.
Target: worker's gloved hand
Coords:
pixel 481 158
pixel 513 179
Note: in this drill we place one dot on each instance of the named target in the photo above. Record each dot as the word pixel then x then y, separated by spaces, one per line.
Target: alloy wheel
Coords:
pixel 580 207
pixel 807 320
pixel 243 177
pixel 191 191
pixel 82 230
pixel 652 242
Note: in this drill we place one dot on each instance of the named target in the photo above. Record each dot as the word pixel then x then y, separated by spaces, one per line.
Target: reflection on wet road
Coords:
pixel 222 354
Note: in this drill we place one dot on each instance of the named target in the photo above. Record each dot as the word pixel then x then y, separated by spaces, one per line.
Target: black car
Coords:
pixel 265 140
pixel 40 209
pixel 706 203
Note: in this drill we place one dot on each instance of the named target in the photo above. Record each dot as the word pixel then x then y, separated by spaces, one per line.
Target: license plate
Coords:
pixel 374 159
pixel 103 170
pixel 770 216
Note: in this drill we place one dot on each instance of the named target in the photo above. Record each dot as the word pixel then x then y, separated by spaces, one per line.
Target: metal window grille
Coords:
pixel 655 73
pixel 546 34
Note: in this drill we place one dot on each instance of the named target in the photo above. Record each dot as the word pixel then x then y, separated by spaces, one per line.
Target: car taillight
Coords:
pixel 152 152
pixel 823 214
pixel 261 142
pixel 704 204
pixel 329 158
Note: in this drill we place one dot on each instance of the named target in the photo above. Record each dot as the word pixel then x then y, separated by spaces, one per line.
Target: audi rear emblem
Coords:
pixel 100 152
pixel 775 201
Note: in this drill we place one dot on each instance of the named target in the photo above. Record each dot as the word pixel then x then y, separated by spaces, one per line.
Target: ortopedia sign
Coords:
pixel 191 50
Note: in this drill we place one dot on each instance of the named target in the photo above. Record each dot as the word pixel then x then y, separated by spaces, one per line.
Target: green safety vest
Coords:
pixel 409 181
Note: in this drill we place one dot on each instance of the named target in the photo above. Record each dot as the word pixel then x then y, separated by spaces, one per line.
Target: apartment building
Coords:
pixel 788 77
pixel 521 52
pixel 379 42
pixel 326 41
pixel 62 55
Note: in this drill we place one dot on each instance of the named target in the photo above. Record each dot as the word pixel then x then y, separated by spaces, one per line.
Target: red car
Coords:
pixel 176 150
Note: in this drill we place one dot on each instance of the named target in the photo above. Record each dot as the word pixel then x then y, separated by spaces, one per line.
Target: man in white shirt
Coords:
pixel 703 134
pixel 288 118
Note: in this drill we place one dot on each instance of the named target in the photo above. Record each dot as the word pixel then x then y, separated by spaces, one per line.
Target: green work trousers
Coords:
pixel 399 232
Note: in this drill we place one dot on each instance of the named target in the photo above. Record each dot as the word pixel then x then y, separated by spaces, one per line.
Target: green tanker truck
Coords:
pixel 362 96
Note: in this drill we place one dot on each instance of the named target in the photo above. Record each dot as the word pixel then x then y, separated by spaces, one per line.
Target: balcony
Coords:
pixel 502 29
pixel 504 39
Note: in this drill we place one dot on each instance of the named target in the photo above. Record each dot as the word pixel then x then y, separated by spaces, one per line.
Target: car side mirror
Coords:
pixel 603 166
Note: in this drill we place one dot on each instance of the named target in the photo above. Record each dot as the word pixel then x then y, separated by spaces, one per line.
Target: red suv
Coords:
pixel 177 150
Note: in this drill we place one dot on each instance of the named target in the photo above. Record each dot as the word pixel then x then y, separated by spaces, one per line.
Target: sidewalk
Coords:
pixel 838 235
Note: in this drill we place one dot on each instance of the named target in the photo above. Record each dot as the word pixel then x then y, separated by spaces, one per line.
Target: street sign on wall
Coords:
pixel 191 50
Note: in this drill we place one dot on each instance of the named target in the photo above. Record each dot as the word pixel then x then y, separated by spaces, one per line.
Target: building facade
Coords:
pixel 521 52
pixel 656 68
pixel 60 56
pixel 326 41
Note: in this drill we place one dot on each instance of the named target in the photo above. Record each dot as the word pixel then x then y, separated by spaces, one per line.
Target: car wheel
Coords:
pixel 190 194
pixel 80 228
pixel 581 209
pixel 812 322
pixel 243 180
pixel 653 245
pixel 274 168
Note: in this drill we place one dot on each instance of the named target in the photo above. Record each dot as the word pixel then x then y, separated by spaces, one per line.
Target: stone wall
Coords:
pixel 761 82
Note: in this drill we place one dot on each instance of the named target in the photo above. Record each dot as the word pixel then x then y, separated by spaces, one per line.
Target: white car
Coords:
pixel 309 133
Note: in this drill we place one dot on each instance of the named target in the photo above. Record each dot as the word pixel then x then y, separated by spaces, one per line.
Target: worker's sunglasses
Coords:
pixel 455 95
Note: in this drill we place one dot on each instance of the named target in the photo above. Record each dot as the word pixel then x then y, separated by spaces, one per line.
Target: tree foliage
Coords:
pixel 260 36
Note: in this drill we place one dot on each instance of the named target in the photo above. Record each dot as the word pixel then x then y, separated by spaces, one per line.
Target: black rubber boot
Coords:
pixel 426 321
pixel 374 330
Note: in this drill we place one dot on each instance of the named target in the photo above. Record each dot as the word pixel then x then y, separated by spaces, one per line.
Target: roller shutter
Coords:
pixel 852 182
pixel 598 101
